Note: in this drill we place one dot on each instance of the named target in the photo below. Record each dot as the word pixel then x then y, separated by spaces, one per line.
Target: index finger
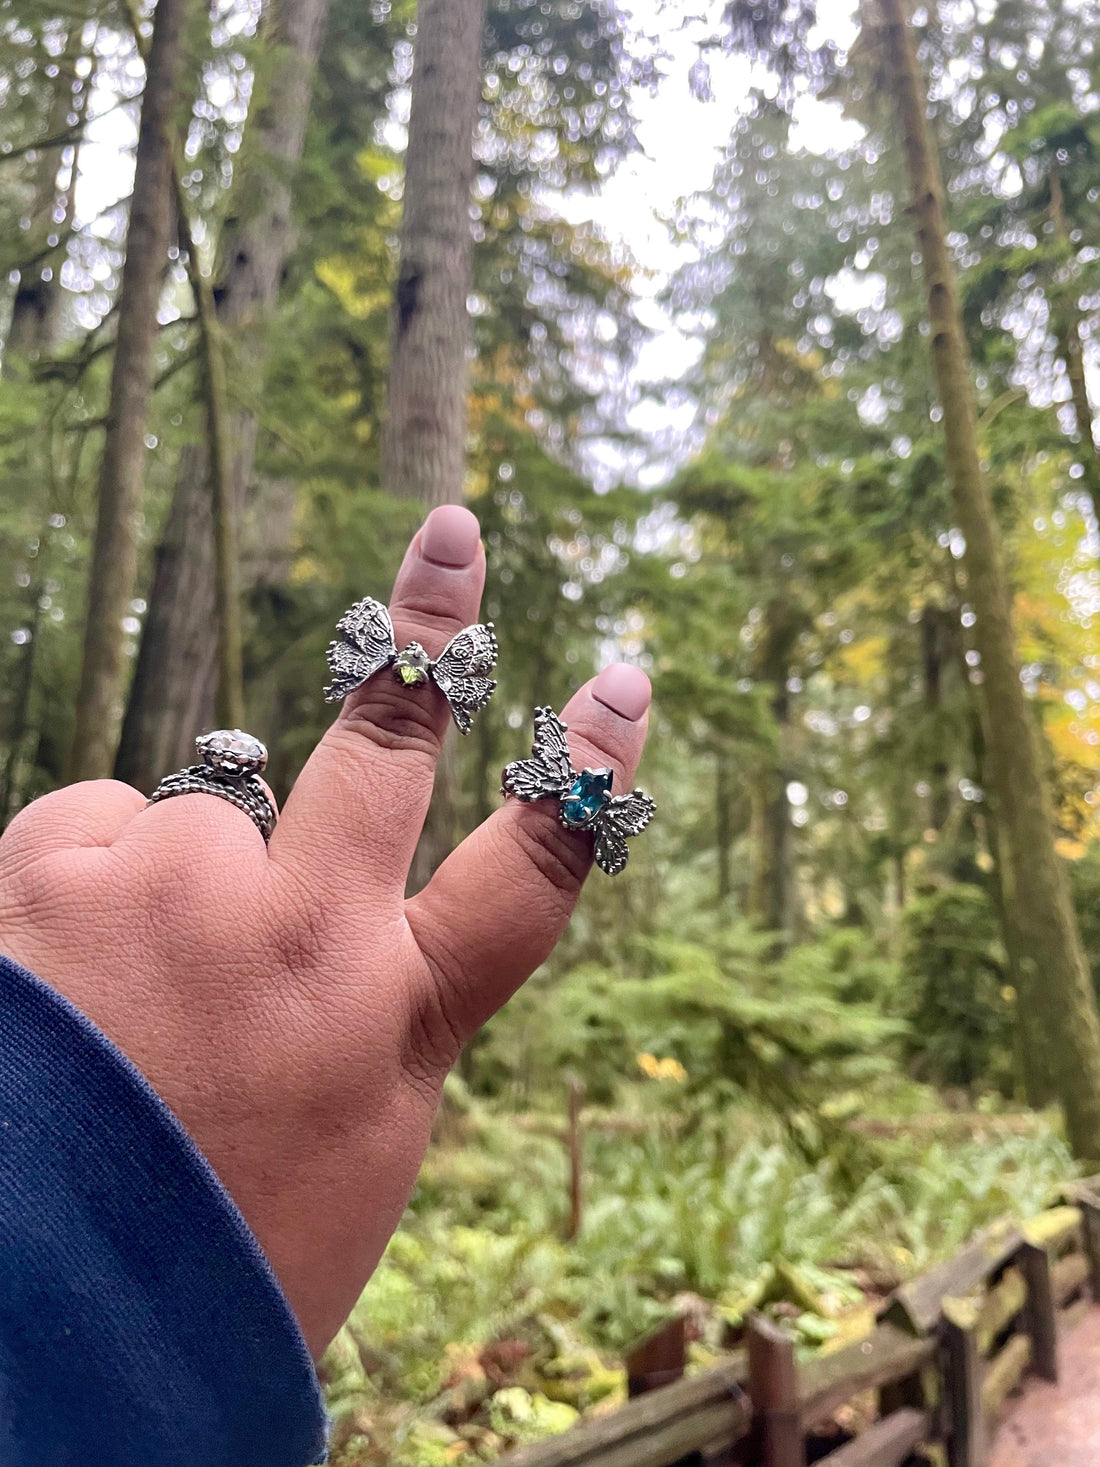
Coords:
pixel 496 907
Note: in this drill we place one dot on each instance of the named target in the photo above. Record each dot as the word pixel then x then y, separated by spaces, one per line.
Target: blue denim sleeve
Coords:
pixel 140 1323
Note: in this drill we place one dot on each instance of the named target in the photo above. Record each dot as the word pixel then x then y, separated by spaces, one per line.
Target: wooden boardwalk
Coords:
pixel 1015 1310
pixel 1057 1425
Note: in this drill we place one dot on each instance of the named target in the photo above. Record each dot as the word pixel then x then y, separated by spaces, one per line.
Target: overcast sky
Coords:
pixel 681 138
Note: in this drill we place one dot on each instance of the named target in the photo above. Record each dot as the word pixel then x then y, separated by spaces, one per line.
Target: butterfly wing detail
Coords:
pixel 549 771
pixel 364 643
pixel 462 670
pixel 622 816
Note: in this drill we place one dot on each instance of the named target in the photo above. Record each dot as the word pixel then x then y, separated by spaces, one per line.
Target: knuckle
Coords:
pixel 426 616
pixel 592 752
pixel 397 719
pixel 560 857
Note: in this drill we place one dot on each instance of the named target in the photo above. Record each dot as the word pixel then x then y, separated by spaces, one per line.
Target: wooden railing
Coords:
pixel 948 1348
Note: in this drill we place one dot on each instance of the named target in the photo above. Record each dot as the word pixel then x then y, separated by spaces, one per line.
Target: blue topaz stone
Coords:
pixel 586 797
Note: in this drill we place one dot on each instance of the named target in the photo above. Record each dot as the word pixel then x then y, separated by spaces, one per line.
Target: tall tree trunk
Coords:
pixel 769 832
pixel 36 309
pixel 20 717
pixel 174 693
pixel 771 889
pixel 1067 326
pixel 1055 985
pixel 1032 1047
pixel 936 632
pixel 114 555
pixel 723 823
pixel 424 437
pixel 424 441
pixel 224 500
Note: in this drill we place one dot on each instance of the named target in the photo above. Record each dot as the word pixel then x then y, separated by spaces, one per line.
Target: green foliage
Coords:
pixel 954 990
pixel 699 1206
pixel 767 1008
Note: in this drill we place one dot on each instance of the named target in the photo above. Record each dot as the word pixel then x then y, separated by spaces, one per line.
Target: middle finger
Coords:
pixel 356 810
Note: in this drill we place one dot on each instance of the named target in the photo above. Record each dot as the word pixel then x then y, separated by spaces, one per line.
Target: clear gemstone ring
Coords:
pixel 231 762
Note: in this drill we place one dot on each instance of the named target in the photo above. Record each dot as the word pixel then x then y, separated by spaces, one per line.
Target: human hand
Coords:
pixel 288 1003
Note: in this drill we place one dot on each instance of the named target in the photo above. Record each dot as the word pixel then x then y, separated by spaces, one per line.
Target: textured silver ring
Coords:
pixel 584 797
pixel 365 643
pixel 231 761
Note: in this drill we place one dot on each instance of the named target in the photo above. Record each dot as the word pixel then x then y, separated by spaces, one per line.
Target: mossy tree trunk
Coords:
pixel 771 890
pixel 113 574
pixel 424 441
pixel 723 823
pixel 36 308
pixel 1055 988
pixel 175 691
pixel 1066 314
pixel 936 631
pixel 424 436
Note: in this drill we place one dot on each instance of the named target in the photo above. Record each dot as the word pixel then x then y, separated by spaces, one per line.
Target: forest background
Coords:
pixel 820 454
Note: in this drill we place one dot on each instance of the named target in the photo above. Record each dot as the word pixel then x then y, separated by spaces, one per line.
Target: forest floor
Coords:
pixel 1057 1425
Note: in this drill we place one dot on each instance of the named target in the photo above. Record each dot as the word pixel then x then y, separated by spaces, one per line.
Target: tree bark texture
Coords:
pixel 36 309
pixel 1067 325
pixel 224 500
pixel 1055 986
pixel 424 434
pixel 769 827
pixel 424 441
pixel 771 891
pixel 936 627
pixel 174 693
pixel 114 554
pixel 723 823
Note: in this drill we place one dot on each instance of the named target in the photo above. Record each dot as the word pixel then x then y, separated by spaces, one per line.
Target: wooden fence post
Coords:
pixel 773 1390
pixel 962 1381
pixel 657 1360
pixel 1090 1218
pixel 1042 1321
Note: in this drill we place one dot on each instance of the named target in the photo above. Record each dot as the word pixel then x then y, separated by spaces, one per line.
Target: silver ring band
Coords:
pixel 231 761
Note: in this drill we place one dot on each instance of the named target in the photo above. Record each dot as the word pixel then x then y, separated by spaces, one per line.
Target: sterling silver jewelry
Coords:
pixel 231 760
pixel 366 643
pixel 585 801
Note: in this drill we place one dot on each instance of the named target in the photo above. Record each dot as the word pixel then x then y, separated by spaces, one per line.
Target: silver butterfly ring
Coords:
pixel 585 801
pixel 365 643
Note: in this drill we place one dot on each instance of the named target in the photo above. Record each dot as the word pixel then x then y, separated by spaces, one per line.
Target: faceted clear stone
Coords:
pixel 231 751
pixel 586 797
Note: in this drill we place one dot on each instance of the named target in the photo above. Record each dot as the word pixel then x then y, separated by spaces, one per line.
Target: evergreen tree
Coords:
pixel 173 692
pixel 1057 1002
pixel 113 576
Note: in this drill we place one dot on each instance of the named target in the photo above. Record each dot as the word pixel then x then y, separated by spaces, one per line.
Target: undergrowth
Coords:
pixel 483 1328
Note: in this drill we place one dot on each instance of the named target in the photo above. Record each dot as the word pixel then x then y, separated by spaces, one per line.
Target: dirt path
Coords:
pixel 1057 1425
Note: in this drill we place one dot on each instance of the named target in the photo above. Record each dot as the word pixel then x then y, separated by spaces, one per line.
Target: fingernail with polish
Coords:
pixel 624 689
pixel 450 536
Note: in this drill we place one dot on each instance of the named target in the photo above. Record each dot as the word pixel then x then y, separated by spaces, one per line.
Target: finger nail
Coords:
pixel 624 689
pixel 450 536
